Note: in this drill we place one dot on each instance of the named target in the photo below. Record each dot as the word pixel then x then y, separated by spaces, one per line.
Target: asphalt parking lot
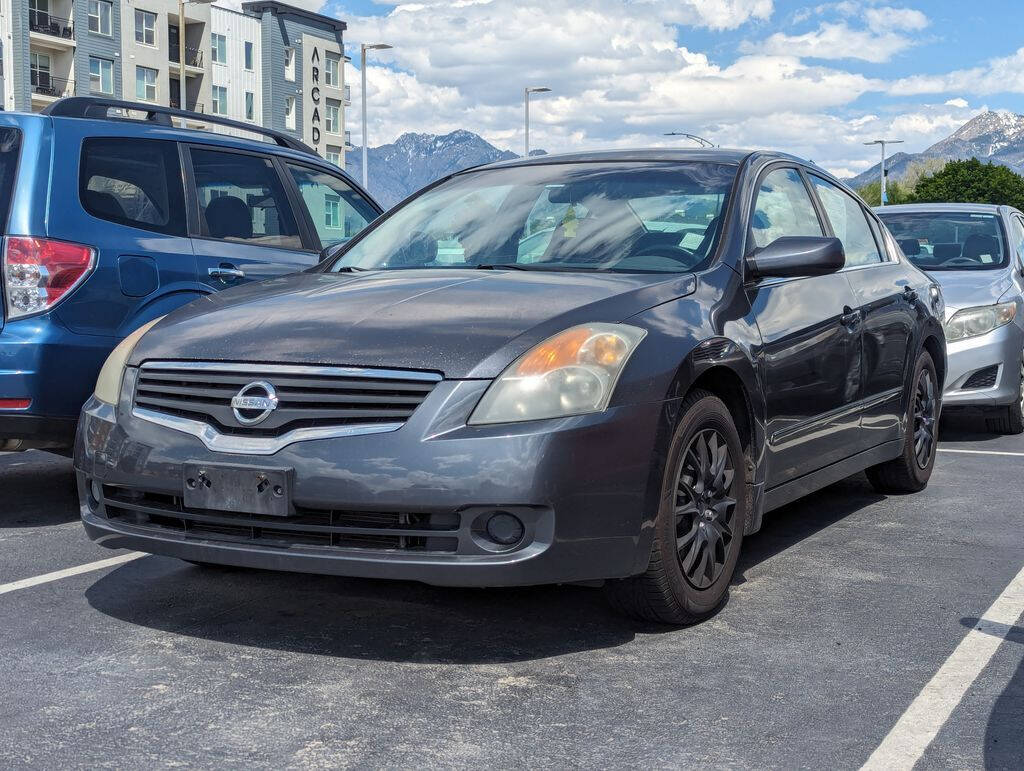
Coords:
pixel 847 610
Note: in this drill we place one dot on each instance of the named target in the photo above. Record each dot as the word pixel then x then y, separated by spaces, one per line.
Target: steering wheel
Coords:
pixel 669 252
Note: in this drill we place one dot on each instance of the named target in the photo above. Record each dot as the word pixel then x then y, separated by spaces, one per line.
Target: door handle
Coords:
pixel 226 273
pixel 850 317
pixel 910 293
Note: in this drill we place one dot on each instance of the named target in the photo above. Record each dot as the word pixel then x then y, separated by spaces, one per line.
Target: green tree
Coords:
pixel 971 182
pixel 872 192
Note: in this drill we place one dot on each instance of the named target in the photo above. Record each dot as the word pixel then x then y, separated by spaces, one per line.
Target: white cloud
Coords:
pixel 1000 75
pixel 887 18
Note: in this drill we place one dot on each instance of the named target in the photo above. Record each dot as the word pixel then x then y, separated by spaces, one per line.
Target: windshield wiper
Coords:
pixel 502 266
pixel 349 269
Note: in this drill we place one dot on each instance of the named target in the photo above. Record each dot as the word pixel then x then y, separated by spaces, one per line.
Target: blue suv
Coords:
pixel 112 216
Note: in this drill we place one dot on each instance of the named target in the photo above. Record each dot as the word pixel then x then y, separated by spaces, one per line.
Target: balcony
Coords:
pixel 47 88
pixel 193 60
pixel 51 31
pixel 197 107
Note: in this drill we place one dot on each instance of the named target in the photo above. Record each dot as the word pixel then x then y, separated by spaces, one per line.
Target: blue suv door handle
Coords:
pixel 226 273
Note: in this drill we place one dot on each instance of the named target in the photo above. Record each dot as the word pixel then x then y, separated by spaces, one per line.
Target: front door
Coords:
pixel 248 223
pixel 811 333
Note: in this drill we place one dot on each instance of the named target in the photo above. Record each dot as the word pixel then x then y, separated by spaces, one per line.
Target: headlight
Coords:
pixel 108 384
pixel 571 373
pixel 972 322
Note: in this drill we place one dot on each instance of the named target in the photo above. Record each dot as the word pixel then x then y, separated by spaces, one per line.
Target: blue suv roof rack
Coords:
pixel 97 107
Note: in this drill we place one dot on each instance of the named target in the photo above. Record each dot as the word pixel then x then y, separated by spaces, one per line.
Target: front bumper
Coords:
pixel 1002 348
pixel 586 488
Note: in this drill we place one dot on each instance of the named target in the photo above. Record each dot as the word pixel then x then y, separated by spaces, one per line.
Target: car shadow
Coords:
pixel 1004 740
pixel 962 429
pixel 38 489
pixel 406 621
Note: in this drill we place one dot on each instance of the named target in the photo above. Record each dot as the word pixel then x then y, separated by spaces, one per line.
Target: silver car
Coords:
pixel 976 253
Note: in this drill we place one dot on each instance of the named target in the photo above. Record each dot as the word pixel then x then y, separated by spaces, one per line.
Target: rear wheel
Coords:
pixel 699 529
pixel 1010 420
pixel 911 471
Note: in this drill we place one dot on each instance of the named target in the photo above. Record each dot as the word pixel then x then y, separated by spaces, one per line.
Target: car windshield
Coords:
pixel 948 240
pixel 629 217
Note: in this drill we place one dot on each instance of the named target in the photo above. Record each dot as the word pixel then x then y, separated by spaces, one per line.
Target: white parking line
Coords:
pixel 920 724
pixel 983 452
pixel 56 575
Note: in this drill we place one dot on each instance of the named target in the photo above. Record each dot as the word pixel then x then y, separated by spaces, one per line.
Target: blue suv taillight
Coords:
pixel 39 272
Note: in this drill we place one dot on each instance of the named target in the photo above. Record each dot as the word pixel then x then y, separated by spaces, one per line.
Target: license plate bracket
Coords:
pixel 237 488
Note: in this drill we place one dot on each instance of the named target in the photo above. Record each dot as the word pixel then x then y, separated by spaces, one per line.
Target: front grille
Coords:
pixel 316 528
pixel 983 378
pixel 308 397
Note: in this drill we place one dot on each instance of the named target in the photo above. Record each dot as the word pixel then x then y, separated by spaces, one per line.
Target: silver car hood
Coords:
pixel 968 288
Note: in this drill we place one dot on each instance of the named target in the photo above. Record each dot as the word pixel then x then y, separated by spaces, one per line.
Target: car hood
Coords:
pixel 969 288
pixel 461 323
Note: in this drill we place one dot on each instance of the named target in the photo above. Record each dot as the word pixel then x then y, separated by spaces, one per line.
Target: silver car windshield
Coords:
pixel 630 217
pixel 949 240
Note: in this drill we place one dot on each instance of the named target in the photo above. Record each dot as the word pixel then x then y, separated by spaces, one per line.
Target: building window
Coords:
pixel 333 122
pixel 289 112
pixel 250 105
pixel 145 84
pixel 39 15
pixel 248 55
pixel 333 155
pixel 219 44
pixel 101 75
pixel 100 12
pixel 39 71
pixel 332 70
pixel 332 210
pixel 219 98
pixel 289 64
pixel 145 28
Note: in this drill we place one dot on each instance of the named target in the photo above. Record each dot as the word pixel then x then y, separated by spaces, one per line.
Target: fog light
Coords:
pixel 95 495
pixel 505 528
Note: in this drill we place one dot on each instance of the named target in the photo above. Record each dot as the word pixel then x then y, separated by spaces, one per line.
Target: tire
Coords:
pixel 694 520
pixel 1010 419
pixel 910 472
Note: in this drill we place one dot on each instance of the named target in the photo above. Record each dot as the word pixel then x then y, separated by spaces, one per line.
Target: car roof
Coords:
pixel 910 208
pixel 716 155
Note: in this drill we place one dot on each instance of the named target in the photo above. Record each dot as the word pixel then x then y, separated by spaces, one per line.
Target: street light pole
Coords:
pixel 362 70
pixel 526 104
pixel 883 143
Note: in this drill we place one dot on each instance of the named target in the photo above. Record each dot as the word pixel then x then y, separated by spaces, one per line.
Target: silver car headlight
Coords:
pixel 571 373
pixel 971 322
pixel 108 384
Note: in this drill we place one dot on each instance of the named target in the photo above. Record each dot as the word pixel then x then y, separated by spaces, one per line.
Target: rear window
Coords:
pixel 134 182
pixel 10 148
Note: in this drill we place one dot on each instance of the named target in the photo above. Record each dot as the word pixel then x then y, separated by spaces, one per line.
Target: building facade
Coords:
pixel 271 64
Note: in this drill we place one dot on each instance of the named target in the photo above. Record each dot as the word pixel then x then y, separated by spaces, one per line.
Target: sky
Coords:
pixel 814 79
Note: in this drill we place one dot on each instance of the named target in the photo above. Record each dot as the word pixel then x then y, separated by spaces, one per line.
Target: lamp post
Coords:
pixel 362 69
pixel 182 86
pixel 526 94
pixel 883 143
pixel 698 139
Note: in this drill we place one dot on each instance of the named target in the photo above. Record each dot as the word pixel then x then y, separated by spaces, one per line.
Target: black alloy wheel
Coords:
pixel 925 406
pixel 705 511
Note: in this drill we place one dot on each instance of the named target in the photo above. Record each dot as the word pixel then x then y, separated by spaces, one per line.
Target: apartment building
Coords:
pixel 270 64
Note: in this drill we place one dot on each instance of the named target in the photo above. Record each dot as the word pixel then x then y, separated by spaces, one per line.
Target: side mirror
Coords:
pixel 332 250
pixel 793 256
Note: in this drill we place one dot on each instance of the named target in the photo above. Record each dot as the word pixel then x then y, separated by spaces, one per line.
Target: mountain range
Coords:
pixel 401 168
pixel 992 136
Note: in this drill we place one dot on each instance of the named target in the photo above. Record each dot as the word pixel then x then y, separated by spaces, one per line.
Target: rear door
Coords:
pixel 888 306
pixel 247 220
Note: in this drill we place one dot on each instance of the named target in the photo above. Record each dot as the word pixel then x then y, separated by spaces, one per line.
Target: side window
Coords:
pixel 242 198
pixel 134 182
pixel 1017 238
pixel 338 212
pixel 849 223
pixel 783 208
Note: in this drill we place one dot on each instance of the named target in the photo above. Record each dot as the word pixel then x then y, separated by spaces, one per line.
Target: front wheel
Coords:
pixel 699 528
pixel 910 472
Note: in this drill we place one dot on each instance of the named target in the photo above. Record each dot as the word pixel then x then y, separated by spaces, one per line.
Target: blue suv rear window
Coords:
pixel 10 148
pixel 134 182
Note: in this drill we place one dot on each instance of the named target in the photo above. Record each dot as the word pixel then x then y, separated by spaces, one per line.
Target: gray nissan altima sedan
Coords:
pixel 976 253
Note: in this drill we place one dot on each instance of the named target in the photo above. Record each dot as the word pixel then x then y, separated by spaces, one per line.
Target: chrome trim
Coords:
pixel 294 369
pixel 256 445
